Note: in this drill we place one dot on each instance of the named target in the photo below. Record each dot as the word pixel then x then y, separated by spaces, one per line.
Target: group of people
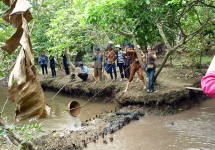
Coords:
pixel 127 59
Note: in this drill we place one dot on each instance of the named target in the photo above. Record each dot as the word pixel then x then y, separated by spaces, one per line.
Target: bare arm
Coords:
pixel 212 65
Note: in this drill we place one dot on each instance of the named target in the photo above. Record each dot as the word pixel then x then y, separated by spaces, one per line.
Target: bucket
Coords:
pixel 74 108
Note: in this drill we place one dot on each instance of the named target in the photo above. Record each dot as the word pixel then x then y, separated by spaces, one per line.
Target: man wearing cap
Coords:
pixel 83 73
pixel 120 60
pixel 98 57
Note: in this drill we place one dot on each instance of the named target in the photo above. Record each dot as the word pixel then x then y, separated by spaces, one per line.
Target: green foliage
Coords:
pixel 25 132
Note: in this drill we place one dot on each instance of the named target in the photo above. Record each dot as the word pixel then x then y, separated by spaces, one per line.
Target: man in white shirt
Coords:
pixel 83 73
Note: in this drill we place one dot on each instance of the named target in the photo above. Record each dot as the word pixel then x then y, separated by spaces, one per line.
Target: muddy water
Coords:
pixel 193 129
pixel 59 118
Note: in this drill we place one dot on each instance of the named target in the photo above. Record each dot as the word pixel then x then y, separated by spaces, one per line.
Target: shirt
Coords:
pixel 208 84
pixel 43 60
pixel 149 58
pixel 84 70
pixel 98 61
pixel 120 57
pixel 111 57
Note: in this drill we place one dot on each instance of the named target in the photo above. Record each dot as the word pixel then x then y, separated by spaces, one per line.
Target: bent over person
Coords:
pixel 135 67
pixel 98 57
pixel 208 81
pixel 83 73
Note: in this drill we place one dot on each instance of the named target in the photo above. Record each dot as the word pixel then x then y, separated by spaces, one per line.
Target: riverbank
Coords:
pixel 170 96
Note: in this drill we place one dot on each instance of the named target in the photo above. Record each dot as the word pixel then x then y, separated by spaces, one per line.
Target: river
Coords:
pixel 192 129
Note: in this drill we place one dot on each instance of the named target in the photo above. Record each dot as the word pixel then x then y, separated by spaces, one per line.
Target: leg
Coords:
pixel 121 70
pixel 52 69
pixel 127 85
pixel 140 75
pixel 99 74
pixel 42 69
pixel 151 80
pixel 110 68
pixel 46 69
pixel 85 76
pixel 127 71
pixel 131 77
pixel 114 70
pixel 67 69
pixel 96 74
pixel 80 76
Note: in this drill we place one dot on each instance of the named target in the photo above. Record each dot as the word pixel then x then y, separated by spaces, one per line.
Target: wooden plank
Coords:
pixel 194 88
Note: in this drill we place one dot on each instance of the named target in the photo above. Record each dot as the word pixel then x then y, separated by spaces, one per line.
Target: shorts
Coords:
pixel 97 72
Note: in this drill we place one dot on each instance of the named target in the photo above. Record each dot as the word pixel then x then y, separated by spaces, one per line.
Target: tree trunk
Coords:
pixel 168 53
pixel 138 53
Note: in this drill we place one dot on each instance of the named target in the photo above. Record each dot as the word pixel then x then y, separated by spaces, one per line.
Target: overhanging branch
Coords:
pixel 194 33
pixel 160 29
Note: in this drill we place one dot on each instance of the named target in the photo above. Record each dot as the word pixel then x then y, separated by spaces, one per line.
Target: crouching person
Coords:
pixel 84 72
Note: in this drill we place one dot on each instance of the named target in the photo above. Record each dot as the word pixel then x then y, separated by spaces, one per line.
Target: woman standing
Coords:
pixel 150 68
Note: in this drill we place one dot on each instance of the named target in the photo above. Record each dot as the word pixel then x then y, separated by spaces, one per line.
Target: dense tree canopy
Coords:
pixel 80 25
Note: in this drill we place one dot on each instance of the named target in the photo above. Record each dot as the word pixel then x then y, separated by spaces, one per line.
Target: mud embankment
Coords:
pixel 165 100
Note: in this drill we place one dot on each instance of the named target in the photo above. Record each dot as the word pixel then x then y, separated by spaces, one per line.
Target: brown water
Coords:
pixel 59 118
pixel 192 129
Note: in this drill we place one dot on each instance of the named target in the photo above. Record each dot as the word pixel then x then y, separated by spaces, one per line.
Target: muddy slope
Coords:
pixel 170 96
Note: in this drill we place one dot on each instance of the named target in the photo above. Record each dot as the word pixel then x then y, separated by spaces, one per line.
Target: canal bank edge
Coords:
pixel 169 98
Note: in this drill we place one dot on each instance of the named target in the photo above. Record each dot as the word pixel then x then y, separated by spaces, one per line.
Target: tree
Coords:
pixel 173 20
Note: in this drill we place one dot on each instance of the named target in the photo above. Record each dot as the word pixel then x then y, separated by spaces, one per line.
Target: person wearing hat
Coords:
pixel 83 73
pixel 120 60
pixel 110 56
pixel 135 67
pixel 150 68
pixel 98 57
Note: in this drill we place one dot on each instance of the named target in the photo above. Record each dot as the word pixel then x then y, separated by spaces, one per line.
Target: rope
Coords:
pixel 95 93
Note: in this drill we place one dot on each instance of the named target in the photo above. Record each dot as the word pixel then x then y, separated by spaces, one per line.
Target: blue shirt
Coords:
pixel 43 60
pixel 84 70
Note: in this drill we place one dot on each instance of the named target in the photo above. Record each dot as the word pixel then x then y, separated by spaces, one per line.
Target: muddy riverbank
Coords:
pixel 170 97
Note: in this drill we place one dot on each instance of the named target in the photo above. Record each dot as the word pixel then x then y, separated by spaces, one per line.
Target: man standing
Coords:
pixel 52 66
pixel 43 60
pixel 110 56
pixel 83 73
pixel 98 57
pixel 66 62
